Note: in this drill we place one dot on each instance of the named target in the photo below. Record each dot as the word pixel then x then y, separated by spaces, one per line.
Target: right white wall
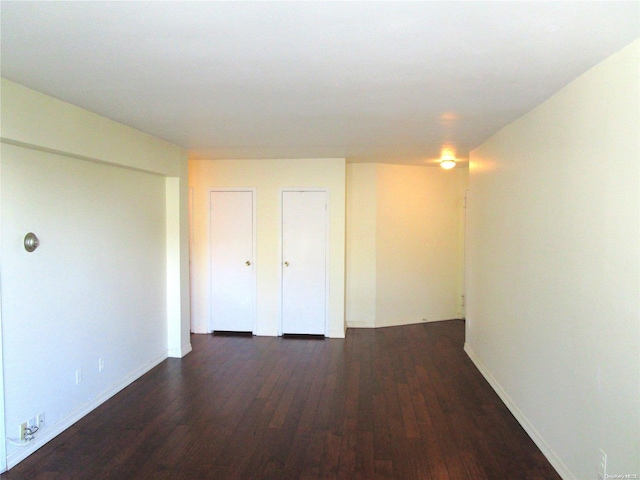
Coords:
pixel 553 269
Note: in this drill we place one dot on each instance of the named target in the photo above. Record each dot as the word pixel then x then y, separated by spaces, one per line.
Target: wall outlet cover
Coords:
pixel 40 421
pixel 22 435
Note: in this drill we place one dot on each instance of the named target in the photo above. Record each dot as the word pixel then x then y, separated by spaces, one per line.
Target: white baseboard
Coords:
pixel 180 352
pixel 528 427
pixel 414 321
pixel 356 324
pixel 337 334
pixel 50 432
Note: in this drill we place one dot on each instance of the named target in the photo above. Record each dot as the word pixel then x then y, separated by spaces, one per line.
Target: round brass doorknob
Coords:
pixel 286 264
pixel 247 263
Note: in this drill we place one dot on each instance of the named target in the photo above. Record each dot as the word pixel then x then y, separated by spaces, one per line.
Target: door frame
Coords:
pixel 253 259
pixel 327 264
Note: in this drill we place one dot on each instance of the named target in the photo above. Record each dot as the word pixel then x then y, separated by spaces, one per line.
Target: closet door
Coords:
pixel 304 262
pixel 232 261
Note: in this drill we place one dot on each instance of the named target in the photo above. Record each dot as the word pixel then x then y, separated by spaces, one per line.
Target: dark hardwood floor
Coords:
pixel 400 402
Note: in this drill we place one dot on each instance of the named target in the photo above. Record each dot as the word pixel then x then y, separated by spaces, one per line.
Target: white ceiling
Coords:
pixel 369 81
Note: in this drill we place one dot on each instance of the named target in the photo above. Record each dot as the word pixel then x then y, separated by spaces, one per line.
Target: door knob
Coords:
pixel 286 264
pixel 247 263
pixel 31 242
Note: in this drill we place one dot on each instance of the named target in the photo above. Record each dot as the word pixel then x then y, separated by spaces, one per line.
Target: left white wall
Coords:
pixel 110 279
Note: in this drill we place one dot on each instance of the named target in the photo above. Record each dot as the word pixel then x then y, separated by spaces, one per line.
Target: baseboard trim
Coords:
pixel 337 334
pixel 528 427
pixel 180 352
pixel 360 325
pixel 50 432
pixel 415 321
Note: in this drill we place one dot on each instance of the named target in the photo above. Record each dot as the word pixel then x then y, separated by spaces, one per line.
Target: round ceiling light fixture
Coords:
pixel 447 158
pixel 447 163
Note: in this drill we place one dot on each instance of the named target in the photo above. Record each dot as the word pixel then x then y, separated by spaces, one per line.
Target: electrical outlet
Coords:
pixel 602 466
pixel 40 421
pixel 78 376
pixel 32 423
pixel 100 364
pixel 23 432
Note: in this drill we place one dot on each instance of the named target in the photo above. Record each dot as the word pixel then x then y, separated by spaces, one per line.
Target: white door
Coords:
pixel 232 262
pixel 304 262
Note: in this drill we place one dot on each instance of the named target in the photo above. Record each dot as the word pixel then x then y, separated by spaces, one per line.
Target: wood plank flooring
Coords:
pixel 398 403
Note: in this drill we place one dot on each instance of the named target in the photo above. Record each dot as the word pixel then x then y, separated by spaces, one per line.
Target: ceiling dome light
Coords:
pixel 447 163
pixel 448 157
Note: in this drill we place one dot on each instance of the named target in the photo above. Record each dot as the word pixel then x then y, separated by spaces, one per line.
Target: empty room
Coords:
pixel 319 240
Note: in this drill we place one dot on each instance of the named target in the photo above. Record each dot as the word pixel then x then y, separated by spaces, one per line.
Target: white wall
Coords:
pixel 361 245
pixel 110 278
pixel 268 177
pixel 404 239
pixel 553 287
